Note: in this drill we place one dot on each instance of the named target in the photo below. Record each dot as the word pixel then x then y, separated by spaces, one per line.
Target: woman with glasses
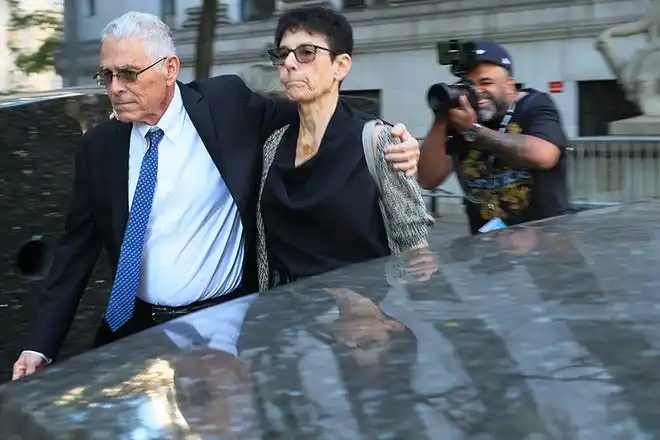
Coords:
pixel 321 206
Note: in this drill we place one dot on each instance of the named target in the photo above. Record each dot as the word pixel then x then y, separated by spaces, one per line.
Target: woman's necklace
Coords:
pixel 307 148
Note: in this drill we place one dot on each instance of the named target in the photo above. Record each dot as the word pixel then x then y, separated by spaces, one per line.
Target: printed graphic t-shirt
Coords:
pixel 495 187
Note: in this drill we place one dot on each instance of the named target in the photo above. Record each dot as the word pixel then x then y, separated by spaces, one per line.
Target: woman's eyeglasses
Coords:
pixel 125 76
pixel 304 54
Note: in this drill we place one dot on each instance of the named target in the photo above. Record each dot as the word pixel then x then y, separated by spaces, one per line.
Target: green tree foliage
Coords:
pixel 41 58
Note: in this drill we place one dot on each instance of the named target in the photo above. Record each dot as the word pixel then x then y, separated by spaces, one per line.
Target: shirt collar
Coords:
pixel 171 122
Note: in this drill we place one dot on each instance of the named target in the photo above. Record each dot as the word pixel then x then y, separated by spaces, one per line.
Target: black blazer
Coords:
pixel 233 123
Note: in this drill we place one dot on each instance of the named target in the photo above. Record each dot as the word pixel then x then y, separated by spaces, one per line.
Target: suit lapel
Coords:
pixel 200 115
pixel 119 191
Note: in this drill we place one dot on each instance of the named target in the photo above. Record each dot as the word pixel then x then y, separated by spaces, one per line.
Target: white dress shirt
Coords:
pixel 219 326
pixel 194 244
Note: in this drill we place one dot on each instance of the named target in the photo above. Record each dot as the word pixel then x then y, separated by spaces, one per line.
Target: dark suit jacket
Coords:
pixel 232 121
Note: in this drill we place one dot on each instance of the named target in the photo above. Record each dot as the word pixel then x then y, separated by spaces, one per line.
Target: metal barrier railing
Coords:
pixel 601 171
pixel 614 169
pixel 437 194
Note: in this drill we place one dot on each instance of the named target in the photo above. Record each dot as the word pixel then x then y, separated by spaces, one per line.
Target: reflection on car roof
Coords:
pixel 18 99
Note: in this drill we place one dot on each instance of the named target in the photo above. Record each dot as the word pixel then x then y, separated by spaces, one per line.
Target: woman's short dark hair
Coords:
pixel 320 20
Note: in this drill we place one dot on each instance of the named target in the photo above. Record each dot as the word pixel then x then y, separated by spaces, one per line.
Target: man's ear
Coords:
pixel 511 83
pixel 172 67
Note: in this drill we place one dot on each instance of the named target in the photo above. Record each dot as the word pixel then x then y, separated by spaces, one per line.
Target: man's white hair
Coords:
pixel 148 28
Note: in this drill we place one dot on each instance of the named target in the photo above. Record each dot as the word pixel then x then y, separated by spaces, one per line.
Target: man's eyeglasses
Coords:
pixel 126 76
pixel 304 54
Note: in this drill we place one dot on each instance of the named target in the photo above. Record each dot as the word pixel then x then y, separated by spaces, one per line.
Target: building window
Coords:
pixel 169 8
pixel 363 4
pixel 91 7
pixel 599 103
pixel 354 4
pixel 367 101
pixel 253 10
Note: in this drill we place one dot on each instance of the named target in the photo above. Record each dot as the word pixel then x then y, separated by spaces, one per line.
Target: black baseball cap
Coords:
pixel 491 52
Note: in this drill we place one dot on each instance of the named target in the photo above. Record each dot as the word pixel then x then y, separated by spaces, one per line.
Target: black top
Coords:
pixel 515 194
pixel 323 214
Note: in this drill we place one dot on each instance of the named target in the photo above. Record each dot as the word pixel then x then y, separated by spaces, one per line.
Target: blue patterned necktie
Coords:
pixel 129 269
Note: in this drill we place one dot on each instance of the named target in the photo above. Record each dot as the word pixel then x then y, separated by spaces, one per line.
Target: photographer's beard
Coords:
pixel 491 107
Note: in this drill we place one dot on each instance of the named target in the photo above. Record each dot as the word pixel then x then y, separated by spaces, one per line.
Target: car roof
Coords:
pixel 24 98
pixel 535 331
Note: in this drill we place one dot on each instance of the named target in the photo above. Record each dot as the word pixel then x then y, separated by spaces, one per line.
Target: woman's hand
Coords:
pixel 403 156
pixel 421 264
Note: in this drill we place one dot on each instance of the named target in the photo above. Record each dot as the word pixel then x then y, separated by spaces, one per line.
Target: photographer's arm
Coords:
pixel 540 146
pixel 434 164
pixel 525 150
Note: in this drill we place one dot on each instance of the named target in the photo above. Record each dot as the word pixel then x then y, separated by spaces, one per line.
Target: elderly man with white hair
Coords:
pixel 168 189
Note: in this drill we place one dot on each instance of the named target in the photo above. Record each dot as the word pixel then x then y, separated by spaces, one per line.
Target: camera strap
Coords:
pixel 507 117
pixel 491 157
pixel 503 126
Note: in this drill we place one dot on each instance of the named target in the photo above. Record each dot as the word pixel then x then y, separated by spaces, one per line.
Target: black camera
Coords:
pixel 460 55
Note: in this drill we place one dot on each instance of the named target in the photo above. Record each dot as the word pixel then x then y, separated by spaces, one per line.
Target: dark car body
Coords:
pixel 543 331
pixel 38 136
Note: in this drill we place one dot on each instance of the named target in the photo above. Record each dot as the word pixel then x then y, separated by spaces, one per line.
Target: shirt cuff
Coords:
pixel 41 355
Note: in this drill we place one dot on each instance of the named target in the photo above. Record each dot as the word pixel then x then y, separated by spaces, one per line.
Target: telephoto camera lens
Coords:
pixel 442 97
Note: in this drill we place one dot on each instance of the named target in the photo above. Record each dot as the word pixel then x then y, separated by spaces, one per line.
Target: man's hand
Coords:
pixel 462 118
pixel 403 156
pixel 27 364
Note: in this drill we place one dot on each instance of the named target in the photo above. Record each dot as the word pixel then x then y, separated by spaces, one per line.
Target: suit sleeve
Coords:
pixel 274 112
pixel 75 255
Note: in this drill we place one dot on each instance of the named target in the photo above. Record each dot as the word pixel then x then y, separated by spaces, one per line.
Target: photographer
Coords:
pixel 508 154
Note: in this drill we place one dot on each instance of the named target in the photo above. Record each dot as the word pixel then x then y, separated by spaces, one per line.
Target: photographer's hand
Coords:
pixel 462 118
